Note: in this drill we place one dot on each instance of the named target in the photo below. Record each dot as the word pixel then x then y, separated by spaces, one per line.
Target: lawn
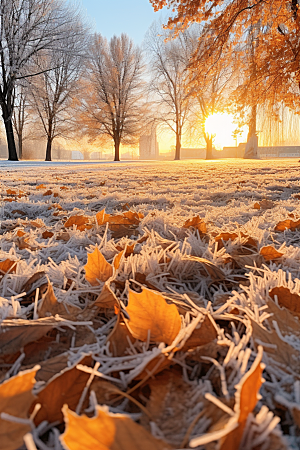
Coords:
pixel 142 304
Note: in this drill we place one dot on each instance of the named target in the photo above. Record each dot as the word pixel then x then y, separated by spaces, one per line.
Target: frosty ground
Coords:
pixel 211 267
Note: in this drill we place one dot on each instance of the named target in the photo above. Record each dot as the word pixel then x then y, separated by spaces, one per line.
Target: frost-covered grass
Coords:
pixel 223 194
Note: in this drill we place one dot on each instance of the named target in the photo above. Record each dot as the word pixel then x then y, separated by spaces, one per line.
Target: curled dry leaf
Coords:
pixel 106 298
pixel 230 434
pixel 15 334
pixel 16 398
pixel 215 273
pixel 106 431
pixel 264 204
pixel 47 193
pixel 270 253
pixel 278 349
pixel 47 234
pixel 149 312
pixel 81 222
pixel 97 268
pixel 204 334
pixel 64 388
pixel 49 306
pixel 287 224
pixel 196 222
pixel 8 266
pixel 223 237
pixel 126 218
pixel 119 339
pixel 287 299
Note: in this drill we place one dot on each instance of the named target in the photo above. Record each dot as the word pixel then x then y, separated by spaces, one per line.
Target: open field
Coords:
pixel 205 254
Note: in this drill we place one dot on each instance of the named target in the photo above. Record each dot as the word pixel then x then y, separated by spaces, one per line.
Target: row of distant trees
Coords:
pixel 58 78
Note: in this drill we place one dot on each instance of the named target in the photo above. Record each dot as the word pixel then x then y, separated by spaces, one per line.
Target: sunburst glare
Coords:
pixel 223 127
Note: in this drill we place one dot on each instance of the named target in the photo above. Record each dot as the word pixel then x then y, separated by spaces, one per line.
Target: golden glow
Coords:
pixel 222 126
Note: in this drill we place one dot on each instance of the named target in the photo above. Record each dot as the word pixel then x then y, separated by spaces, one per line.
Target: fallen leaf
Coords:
pixel 15 334
pixel 106 299
pixel 81 222
pixel 287 224
pixel 8 266
pixel 204 334
pixel 287 299
pixel 47 193
pixel 106 431
pixel 64 236
pixel 264 204
pixel 47 234
pixel 215 273
pixel 97 268
pixel 246 397
pixel 16 397
pixel 276 348
pixel 119 338
pixel 117 260
pixel 64 388
pixel 49 306
pixel 41 186
pixel 149 311
pixel 11 192
pixel 196 222
pixel 270 253
pixel 18 211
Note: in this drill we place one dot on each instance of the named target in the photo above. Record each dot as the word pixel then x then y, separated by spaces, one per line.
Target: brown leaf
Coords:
pixel 287 299
pixel 11 192
pixel 15 334
pixel 50 306
pixel 270 253
pixel 196 222
pixel 264 204
pixel 119 338
pixel 15 399
pixel 64 388
pixel 47 193
pixel 204 334
pixel 106 299
pixel 81 222
pixel 97 268
pixel 47 234
pixel 106 431
pixel 215 273
pixel 41 186
pixel 287 224
pixel 27 286
pixel 64 236
pixel 224 237
pixel 149 311
pixel 279 350
pixel 8 266
pixel 230 432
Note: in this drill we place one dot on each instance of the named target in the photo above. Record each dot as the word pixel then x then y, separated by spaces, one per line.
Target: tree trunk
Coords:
pixel 251 150
pixel 20 146
pixel 49 150
pixel 12 152
pixel 117 150
pixel 209 141
pixel 178 147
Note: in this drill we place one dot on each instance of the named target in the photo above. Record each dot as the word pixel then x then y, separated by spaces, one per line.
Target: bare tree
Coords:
pixel 26 28
pixel 21 115
pixel 170 84
pixel 53 91
pixel 113 103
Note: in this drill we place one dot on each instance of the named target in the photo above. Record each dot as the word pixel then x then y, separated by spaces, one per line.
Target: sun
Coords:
pixel 222 126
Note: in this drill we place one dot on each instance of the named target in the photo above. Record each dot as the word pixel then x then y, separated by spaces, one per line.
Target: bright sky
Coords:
pixel 117 16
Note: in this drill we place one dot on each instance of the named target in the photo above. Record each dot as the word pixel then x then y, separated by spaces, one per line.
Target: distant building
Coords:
pixel 148 145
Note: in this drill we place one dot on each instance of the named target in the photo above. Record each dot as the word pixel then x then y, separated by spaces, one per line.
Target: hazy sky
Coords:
pixel 116 16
